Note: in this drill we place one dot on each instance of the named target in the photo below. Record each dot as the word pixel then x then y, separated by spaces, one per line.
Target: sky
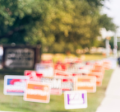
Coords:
pixel 114 12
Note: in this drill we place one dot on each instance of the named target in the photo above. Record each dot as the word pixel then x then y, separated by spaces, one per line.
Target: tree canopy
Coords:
pixel 59 25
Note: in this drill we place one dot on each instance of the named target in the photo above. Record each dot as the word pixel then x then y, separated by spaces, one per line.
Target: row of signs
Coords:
pixel 40 91
pixel 16 85
pixel 37 86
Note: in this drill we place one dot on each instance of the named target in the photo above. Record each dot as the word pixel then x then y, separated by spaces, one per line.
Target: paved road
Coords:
pixel 111 102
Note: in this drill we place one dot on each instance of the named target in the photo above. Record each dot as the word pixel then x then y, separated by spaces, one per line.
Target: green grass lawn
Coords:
pixel 16 103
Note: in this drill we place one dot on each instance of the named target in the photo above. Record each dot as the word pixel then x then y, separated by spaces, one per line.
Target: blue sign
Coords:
pixel 14 85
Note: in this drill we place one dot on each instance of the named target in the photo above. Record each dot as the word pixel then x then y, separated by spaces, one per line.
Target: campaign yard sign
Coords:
pixel 67 84
pixel 37 92
pixel 14 85
pixel 87 83
pixel 46 69
pixel 55 84
pixel 60 73
pixel 62 67
pixel 33 75
pixel 99 82
pixel 99 77
pixel 75 99
pixel 112 61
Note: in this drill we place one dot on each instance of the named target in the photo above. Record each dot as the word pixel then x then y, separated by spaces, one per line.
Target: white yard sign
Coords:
pixel 75 99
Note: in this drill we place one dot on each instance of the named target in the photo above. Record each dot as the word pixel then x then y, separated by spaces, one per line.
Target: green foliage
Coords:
pixel 96 3
pixel 60 25
pixel 111 42
pixel 106 22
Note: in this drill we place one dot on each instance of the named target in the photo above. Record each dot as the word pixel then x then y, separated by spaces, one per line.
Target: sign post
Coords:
pixel 107 46
pixel 115 44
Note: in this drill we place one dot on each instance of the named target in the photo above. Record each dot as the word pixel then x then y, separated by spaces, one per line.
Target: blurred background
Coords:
pixel 56 31
pixel 60 26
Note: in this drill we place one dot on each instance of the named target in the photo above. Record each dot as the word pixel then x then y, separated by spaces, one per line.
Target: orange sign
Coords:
pixel 106 65
pixel 98 69
pixel 99 77
pixel 87 83
pixel 99 82
pixel 37 92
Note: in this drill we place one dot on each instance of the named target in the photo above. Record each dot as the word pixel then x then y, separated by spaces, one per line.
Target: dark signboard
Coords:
pixel 20 56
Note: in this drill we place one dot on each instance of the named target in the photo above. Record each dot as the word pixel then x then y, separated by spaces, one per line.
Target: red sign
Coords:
pixel 33 75
pixel 61 73
pixel 77 74
pixel 60 67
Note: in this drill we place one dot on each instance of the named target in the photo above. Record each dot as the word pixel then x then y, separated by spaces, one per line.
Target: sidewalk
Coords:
pixel 111 102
